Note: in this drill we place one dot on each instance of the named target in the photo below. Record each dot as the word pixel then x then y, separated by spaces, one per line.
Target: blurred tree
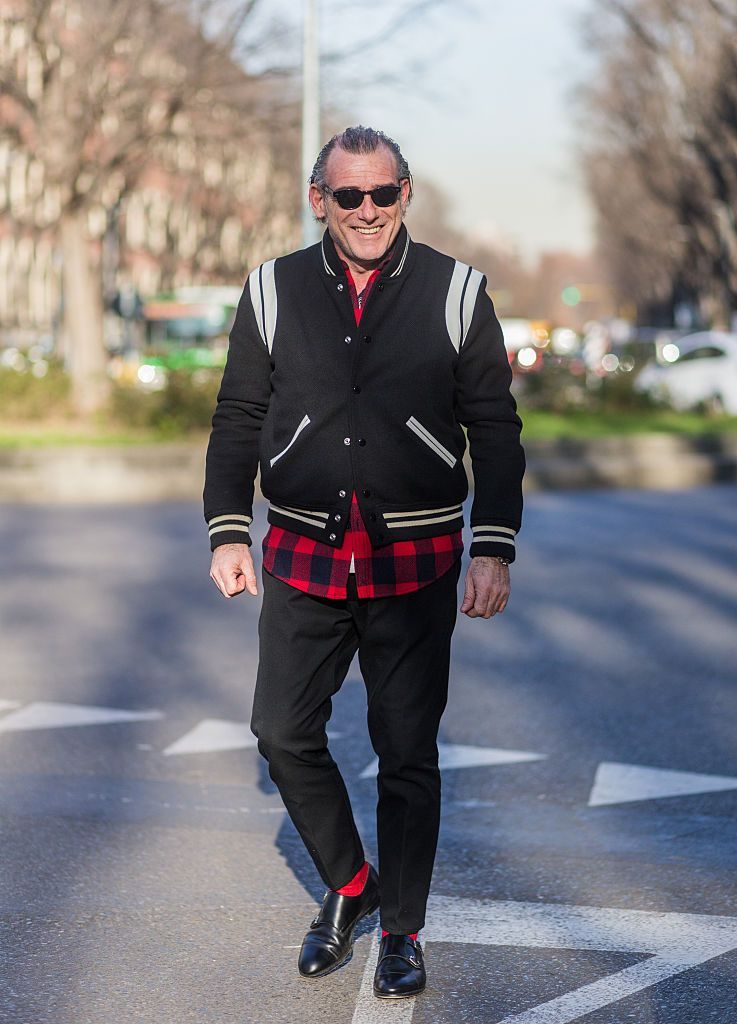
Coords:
pixel 430 219
pixel 179 116
pixel 101 91
pixel 660 131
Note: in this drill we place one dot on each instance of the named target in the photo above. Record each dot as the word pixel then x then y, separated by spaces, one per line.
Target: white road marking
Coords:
pixel 217 734
pixel 456 755
pixel 369 1009
pixel 50 715
pixel 674 942
pixel 616 783
pixel 212 734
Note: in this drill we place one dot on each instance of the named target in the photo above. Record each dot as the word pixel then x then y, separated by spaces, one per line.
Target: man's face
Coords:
pixel 363 236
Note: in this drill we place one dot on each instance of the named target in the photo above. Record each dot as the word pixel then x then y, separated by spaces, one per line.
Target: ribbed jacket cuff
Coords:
pixel 229 528
pixel 493 540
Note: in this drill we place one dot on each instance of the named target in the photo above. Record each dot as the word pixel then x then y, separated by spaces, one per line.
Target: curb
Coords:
pixel 646 461
pixel 103 474
pixel 120 474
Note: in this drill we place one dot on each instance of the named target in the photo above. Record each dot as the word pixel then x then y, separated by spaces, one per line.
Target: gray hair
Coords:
pixel 360 140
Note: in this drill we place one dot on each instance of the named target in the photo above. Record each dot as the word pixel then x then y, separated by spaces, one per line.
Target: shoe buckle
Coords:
pixel 415 963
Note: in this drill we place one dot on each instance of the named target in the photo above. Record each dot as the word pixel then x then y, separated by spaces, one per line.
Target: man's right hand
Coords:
pixel 232 570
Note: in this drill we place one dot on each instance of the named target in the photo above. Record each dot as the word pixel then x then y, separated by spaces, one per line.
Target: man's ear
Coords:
pixel 404 195
pixel 317 202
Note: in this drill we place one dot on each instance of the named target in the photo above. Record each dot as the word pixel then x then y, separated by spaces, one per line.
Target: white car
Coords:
pixel 697 369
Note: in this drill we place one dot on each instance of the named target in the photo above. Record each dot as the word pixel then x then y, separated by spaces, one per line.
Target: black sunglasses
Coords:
pixel 352 198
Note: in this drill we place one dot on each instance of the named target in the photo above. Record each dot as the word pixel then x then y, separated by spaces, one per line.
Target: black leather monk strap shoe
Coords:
pixel 329 942
pixel 400 971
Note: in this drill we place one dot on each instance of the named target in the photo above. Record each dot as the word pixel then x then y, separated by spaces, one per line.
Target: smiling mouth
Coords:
pixel 369 231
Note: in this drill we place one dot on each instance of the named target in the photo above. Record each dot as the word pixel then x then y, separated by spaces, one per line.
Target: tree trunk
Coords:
pixel 83 318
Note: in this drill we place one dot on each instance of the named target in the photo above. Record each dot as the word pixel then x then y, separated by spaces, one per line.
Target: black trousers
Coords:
pixel 306 647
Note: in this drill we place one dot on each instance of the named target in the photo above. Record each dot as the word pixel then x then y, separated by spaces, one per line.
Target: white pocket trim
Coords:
pixel 313 518
pixel 432 442
pixel 296 434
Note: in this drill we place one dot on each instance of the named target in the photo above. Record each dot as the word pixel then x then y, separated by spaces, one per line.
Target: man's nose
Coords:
pixel 367 210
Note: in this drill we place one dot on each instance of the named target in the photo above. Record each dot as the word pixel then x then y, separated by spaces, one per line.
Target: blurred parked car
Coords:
pixel 525 342
pixel 698 369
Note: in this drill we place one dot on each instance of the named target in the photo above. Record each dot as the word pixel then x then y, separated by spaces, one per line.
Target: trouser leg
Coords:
pixel 404 655
pixel 306 645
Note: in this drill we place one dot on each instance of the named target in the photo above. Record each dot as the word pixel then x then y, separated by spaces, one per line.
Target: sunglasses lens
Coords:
pixel 386 195
pixel 348 198
pixel 352 198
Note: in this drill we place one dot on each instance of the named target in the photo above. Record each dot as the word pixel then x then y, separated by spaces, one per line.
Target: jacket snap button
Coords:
pixel 346 440
pixel 362 441
pixel 348 339
pixel 380 287
pixel 367 338
pixel 341 494
pixel 366 493
pixel 357 389
pixel 340 287
pixel 337 517
pixel 333 536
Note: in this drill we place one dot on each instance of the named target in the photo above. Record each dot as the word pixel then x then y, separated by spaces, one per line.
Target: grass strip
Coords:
pixel 581 424
pixel 538 425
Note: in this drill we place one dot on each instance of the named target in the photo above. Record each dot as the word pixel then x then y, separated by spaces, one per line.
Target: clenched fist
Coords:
pixel 232 570
pixel 486 588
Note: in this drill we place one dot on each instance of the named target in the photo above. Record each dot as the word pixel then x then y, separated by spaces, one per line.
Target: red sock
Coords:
pixel 412 935
pixel 356 884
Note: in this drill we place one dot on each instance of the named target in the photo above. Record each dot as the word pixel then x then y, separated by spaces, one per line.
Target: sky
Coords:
pixel 488 114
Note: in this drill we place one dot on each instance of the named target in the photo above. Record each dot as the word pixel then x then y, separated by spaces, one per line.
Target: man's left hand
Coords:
pixel 487 588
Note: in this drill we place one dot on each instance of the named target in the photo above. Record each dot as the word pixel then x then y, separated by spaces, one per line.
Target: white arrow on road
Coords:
pixel 215 734
pixel 212 734
pixel 50 715
pixel 456 755
pixel 674 942
pixel 616 783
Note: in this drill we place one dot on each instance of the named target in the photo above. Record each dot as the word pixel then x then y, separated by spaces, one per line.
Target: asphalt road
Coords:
pixel 586 868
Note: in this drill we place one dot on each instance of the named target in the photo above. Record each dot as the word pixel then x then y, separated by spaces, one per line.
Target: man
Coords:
pixel 353 366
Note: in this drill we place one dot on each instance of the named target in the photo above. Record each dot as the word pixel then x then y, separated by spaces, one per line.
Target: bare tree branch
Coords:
pixel 662 110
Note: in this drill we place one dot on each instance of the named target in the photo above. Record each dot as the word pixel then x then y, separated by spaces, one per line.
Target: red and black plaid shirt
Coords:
pixel 322 570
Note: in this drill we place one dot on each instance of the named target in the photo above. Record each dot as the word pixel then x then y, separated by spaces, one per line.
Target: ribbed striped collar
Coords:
pixel 334 267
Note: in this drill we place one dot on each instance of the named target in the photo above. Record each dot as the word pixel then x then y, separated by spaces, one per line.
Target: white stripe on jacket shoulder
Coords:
pixel 461 301
pixel 262 286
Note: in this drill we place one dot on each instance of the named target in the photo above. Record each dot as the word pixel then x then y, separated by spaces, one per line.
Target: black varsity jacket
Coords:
pixel 324 407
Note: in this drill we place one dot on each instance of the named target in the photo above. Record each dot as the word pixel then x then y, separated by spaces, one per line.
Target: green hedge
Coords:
pixel 24 396
pixel 552 404
pixel 184 406
pixel 555 389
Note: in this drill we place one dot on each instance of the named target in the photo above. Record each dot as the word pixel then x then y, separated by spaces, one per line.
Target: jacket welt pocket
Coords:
pixel 305 420
pixel 432 442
